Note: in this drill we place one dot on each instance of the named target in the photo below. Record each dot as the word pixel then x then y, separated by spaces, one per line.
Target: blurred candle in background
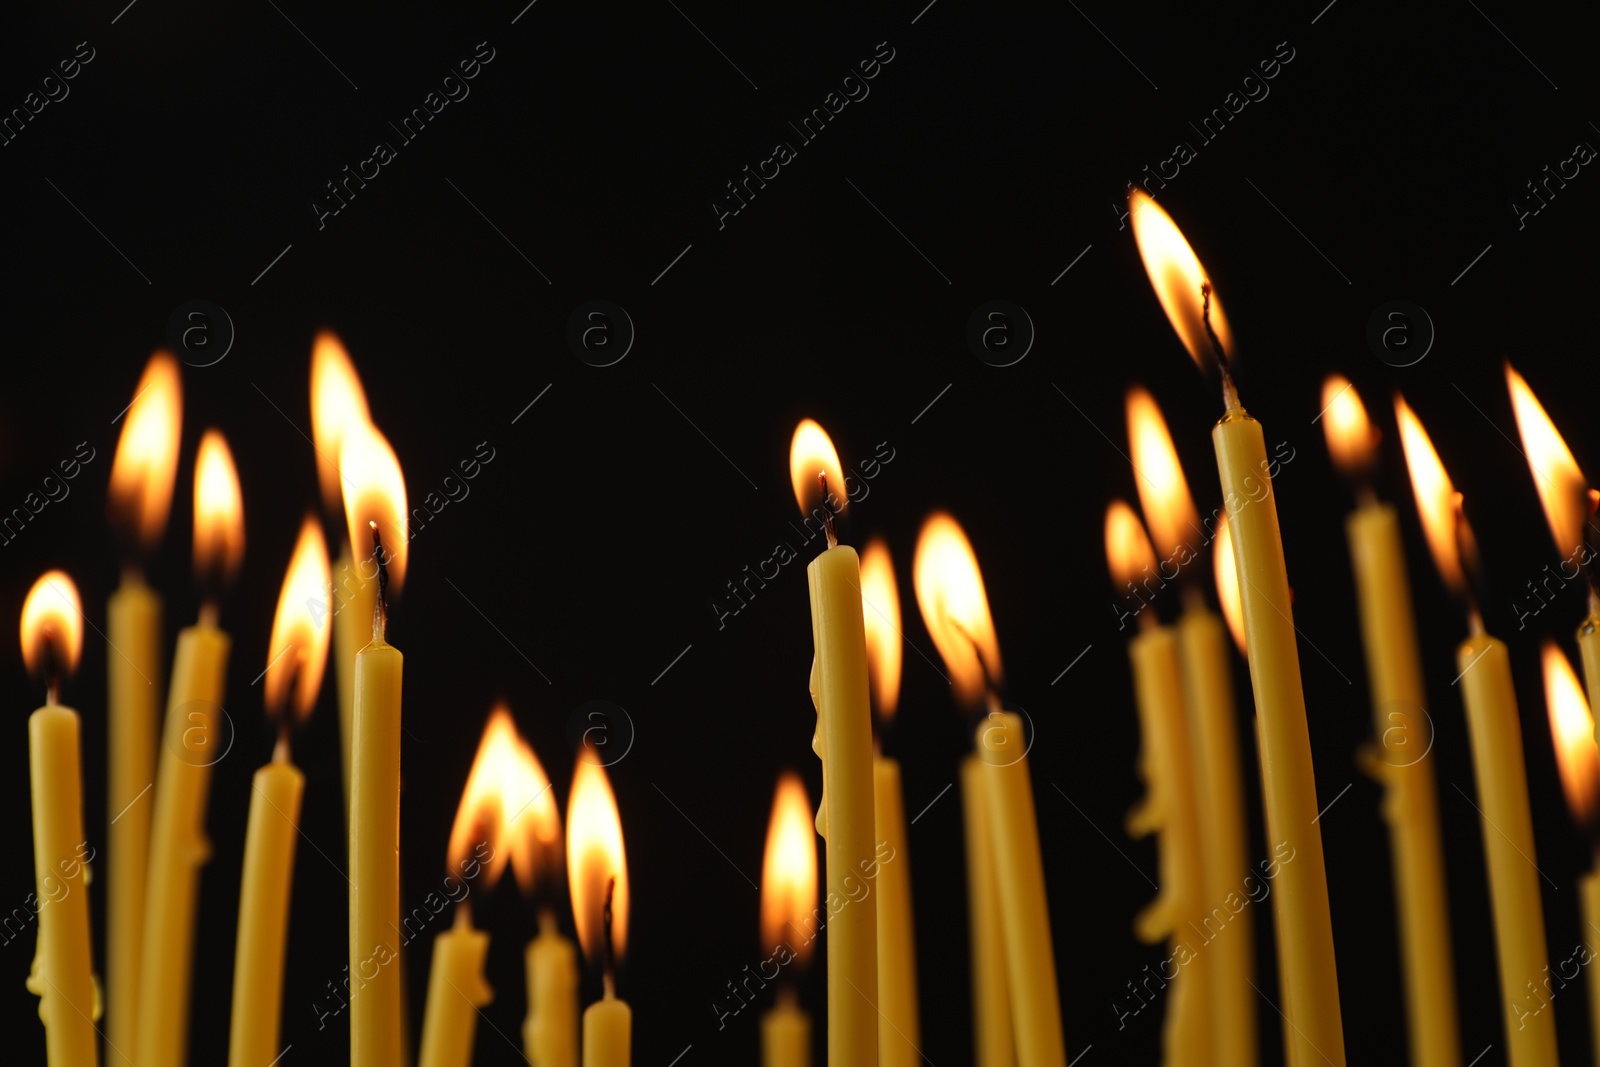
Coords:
pixel 143 476
pixel 789 916
pixel 597 869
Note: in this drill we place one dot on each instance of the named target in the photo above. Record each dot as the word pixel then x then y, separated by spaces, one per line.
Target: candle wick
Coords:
pixel 280 751
pixel 209 613
pixel 1230 395
pixel 607 954
pixel 547 922
pixel 990 680
pixel 464 915
pixel 827 512
pixel 380 607
pixel 53 690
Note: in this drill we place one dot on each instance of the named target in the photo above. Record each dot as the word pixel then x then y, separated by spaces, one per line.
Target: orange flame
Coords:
pixel 145 469
pixel 594 858
pixel 298 650
pixel 52 624
pixel 1128 551
pixel 1352 439
pixel 1163 491
pixel 811 452
pixel 218 510
pixel 1176 274
pixel 789 871
pixel 506 805
pixel 374 492
pixel 1228 584
pixel 955 608
pixel 880 608
pixel 1437 499
pixel 1572 731
pixel 337 403
pixel 1563 490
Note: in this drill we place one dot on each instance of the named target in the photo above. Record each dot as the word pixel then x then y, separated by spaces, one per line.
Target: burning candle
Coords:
pixel 339 405
pixel 843 739
pixel 1400 757
pixel 503 788
pixel 597 870
pixel 1170 807
pixel 296 655
pixel 375 505
pixel 1578 760
pixel 898 1042
pixel 143 476
pixel 550 1031
pixel 788 904
pixel 1308 980
pixel 1496 736
pixel 1569 507
pixel 955 610
pixel 62 975
pixel 178 844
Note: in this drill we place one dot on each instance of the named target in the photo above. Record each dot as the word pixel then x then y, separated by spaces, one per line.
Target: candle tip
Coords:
pixel 380 607
pixel 827 512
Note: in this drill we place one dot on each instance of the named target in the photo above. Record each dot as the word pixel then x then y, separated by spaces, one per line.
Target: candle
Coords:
pixel 1226 1005
pixel 993 1043
pixel 597 870
pixel 788 904
pixel 550 1032
pixel 337 404
pixel 296 656
pixel 955 610
pixel 190 746
pixel 143 475
pixel 900 1039
pixel 1578 761
pixel 1400 757
pixel 1170 805
pixel 1569 507
pixel 1494 729
pixel 1308 980
pixel 843 739
pixel 62 975
pixel 457 988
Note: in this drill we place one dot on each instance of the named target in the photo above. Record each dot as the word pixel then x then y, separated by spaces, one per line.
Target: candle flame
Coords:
pixel 1163 490
pixel 298 651
pixel 1563 490
pixel 506 805
pixel 1437 500
pixel 789 870
pixel 880 610
pixel 1572 731
pixel 1352 439
pixel 52 625
pixel 1228 585
pixel 218 510
pixel 955 608
pixel 337 403
pixel 811 453
pixel 1177 276
pixel 594 858
pixel 1128 551
pixel 145 469
pixel 374 492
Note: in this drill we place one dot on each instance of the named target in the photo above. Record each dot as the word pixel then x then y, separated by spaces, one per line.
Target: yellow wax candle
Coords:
pixel 1024 914
pixel 376 993
pixel 456 990
pixel 1589 650
pixel 550 1032
pixel 1495 731
pixel 993 1044
pixel 1402 761
pixel 844 729
pixel 1213 719
pixel 1171 809
pixel 62 975
pixel 785 1033
pixel 1308 979
pixel 178 845
pixel 133 671
pixel 608 1032
pixel 1589 889
pixel 270 840
pixel 354 599
pixel 899 1038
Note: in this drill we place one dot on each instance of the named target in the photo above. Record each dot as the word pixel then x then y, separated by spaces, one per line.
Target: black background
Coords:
pixel 997 141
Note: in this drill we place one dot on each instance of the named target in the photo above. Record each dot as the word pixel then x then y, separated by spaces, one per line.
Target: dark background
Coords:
pixel 997 141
